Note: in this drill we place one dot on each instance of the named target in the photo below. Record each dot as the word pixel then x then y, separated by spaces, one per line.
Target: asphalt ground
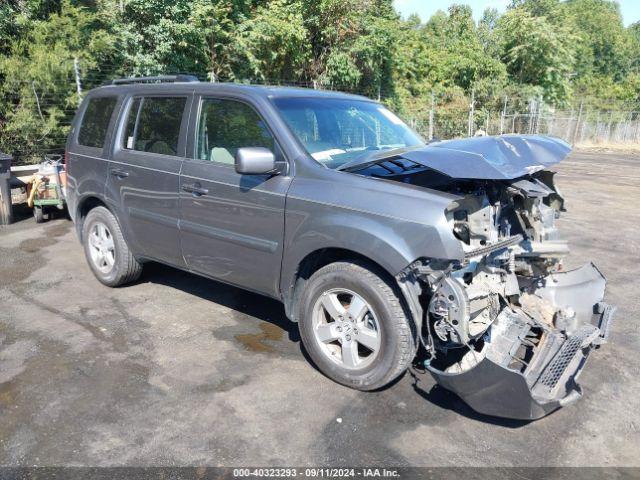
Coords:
pixel 180 370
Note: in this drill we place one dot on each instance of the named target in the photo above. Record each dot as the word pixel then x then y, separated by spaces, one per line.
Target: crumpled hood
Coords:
pixel 503 157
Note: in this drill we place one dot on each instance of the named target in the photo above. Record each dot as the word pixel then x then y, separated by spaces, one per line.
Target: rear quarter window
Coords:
pixel 95 121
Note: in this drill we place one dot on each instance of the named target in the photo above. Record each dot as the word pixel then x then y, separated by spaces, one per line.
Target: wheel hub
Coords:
pixel 346 328
pixel 102 247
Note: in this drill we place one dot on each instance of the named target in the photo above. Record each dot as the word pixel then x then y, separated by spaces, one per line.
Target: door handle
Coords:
pixel 195 189
pixel 116 172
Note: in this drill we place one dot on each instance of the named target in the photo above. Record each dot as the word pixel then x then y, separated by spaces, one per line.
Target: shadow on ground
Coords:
pixel 247 303
pixel 272 311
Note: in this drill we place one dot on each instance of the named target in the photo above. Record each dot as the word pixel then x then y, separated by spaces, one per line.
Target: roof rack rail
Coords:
pixel 156 79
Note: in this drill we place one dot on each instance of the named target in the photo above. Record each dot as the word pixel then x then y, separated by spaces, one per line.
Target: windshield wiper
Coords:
pixel 375 157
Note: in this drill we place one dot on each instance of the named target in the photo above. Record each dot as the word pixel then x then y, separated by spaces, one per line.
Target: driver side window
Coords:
pixel 227 125
pixel 153 124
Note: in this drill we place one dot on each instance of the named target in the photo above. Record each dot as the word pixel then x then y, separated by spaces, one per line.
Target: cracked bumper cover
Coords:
pixel 493 387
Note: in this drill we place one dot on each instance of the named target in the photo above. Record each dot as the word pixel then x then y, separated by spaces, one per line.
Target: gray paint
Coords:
pixel 254 230
pixel 235 232
pixel 255 161
pixel 393 224
pixel 143 189
pixel 492 158
pixel 482 158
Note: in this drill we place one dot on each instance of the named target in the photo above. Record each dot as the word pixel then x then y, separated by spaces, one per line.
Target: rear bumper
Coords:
pixel 548 380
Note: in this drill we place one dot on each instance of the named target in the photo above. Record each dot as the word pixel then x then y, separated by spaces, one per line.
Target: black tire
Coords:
pixel 126 268
pixel 398 345
pixel 39 215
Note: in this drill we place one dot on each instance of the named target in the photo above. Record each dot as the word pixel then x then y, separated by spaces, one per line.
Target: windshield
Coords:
pixel 339 131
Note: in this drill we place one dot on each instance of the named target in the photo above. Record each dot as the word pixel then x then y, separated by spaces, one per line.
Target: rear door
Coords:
pixel 232 225
pixel 144 174
pixel 87 164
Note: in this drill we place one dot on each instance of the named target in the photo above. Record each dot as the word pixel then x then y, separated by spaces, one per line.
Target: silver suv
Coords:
pixel 381 246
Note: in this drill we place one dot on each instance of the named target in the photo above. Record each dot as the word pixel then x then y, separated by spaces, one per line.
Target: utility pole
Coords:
pixel 626 128
pixel 471 111
pixel 575 132
pixel 503 115
pixel 539 108
pixel 532 115
pixel 568 132
pixel 213 78
pixel 76 69
pixel 584 123
pixel 431 115
pixel 609 125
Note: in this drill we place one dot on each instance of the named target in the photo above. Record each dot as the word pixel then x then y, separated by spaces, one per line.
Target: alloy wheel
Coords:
pixel 102 247
pixel 346 328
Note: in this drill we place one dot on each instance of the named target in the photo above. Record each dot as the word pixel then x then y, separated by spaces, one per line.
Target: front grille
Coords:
pixel 563 358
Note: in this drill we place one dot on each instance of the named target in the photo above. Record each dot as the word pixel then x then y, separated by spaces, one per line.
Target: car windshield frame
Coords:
pixel 321 123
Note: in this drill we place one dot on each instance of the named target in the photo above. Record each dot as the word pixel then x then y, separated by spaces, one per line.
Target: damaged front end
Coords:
pixel 509 330
pixel 506 328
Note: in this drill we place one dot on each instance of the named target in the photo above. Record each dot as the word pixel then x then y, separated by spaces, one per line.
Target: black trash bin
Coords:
pixel 6 213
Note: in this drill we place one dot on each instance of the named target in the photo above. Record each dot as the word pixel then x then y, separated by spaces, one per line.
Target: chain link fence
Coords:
pixel 581 126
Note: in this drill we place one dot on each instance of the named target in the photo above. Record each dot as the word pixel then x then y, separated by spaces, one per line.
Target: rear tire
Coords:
pixel 106 250
pixel 369 350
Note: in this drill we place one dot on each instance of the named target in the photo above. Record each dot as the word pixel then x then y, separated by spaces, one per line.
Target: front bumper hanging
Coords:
pixel 503 382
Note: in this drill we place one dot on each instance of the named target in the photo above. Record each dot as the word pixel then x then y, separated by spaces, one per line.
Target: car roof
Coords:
pixel 223 87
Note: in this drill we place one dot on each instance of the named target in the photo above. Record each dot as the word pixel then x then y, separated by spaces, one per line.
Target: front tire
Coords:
pixel 107 253
pixel 354 325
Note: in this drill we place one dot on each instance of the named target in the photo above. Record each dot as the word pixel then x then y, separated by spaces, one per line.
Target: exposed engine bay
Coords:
pixel 510 304
pixel 506 328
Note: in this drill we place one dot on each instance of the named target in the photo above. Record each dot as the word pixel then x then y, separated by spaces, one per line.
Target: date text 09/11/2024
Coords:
pixel 316 472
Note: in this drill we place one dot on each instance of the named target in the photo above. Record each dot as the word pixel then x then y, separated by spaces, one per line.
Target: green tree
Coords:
pixel 557 49
pixel 538 8
pixel 160 36
pixel 272 45
pixel 604 45
pixel 538 53
pixel 352 43
pixel 457 54
pixel 38 88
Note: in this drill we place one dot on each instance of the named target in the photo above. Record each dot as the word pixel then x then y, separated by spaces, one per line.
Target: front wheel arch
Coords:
pixel 317 259
pixel 310 264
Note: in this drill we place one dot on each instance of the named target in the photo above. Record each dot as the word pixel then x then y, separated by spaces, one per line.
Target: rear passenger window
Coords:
pixel 153 124
pixel 226 125
pixel 95 121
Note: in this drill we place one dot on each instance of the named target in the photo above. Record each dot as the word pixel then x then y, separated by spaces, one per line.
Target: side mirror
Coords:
pixel 255 161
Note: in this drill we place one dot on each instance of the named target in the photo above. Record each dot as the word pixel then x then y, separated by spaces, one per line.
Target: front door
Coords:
pixel 232 225
pixel 144 176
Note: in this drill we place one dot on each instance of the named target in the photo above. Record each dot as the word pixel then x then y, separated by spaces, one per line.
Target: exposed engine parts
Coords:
pixel 461 313
pixel 509 328
pixel 491 216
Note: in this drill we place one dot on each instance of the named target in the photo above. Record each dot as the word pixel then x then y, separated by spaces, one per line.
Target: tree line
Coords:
pixel 551 50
